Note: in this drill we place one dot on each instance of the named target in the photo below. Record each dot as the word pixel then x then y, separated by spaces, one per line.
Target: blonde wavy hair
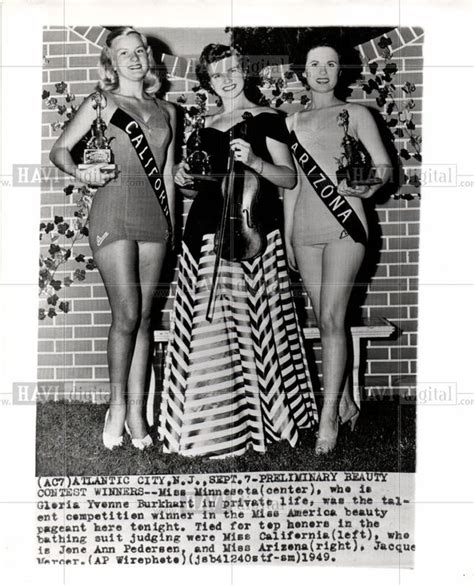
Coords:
pixel 108 76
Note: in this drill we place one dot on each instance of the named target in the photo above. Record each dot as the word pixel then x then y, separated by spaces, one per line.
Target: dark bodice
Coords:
pixel 205 212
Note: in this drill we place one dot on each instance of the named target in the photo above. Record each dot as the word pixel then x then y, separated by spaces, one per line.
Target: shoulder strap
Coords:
pixel 295 123
pixel 274 126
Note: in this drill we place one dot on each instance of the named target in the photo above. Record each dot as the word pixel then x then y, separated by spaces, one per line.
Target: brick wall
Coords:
pixel 393 291
pixel 72 346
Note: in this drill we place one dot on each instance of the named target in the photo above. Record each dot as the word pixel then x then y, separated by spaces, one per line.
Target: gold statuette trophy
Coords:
pixel 355 165
pixel 97 150
pixel 196 157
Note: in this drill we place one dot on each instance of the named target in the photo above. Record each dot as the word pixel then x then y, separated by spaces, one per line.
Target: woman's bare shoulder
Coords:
pixel 299 115
pixel 266 110
pixel 358 111
pixel 211 120
pixel 290 121
pixel 166 105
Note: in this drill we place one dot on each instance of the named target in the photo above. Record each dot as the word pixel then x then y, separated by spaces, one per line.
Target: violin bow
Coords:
pixel 225 210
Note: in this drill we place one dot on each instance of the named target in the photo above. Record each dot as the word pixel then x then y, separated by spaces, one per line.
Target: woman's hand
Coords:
pixel 96 175
pixel 243 153
pixel 290 255
pixel 356 191
pixel 182 177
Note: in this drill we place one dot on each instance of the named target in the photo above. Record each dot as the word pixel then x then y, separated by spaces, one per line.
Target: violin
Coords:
pixel 240 235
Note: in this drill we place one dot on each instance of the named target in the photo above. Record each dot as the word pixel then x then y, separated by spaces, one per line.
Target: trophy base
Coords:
pixel 358 176
pixel 105 169
pixel 361 182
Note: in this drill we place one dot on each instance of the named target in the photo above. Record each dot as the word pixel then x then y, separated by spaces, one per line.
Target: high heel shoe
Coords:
pixel 141 444
pixel 110 442
pixel 324 445
pixel 351 420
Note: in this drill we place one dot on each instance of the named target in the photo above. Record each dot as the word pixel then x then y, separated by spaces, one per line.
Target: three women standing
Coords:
pixel 240 379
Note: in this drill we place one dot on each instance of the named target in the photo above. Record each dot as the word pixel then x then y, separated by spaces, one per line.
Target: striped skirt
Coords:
pixel 241 380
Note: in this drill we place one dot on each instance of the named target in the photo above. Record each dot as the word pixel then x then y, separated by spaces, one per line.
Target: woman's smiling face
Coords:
pixel 322 69
pixel 129 57
pixel 227 77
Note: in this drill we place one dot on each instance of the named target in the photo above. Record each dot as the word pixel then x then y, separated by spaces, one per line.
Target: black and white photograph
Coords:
pixel 247 320
pixel 245 223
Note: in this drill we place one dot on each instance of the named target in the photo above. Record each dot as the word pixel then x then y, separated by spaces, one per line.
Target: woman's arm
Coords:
pixel 60 154
pixel 366 131
pixel 281 172
pixel 184 180
pixel 168 171
pixel 290 197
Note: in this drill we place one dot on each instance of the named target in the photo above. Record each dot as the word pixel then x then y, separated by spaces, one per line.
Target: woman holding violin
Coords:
pixel 235 375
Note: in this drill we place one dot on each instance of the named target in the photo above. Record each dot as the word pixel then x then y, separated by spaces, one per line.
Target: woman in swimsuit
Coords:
pixel 241 380
pixel 131 218
pixel 327 255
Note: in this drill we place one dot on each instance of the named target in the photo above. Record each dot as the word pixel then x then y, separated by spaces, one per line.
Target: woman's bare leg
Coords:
pixel 337 270
pixel 117 264
pixel 150 262
pixel 341 263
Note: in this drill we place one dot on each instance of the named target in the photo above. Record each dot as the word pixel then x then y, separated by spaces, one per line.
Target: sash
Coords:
pixel 337 204
pixel 140 144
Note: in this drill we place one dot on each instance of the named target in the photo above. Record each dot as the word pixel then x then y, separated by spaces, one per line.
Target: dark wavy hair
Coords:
pixel 349 60
pixel 216 52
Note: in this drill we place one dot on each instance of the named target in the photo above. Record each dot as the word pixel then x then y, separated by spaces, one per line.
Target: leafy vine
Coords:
pixel 399 120
pixel 61 234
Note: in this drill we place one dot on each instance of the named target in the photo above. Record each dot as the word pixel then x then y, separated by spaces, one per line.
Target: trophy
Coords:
pixel 355 165
pixel 98 149
pixel 197 158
